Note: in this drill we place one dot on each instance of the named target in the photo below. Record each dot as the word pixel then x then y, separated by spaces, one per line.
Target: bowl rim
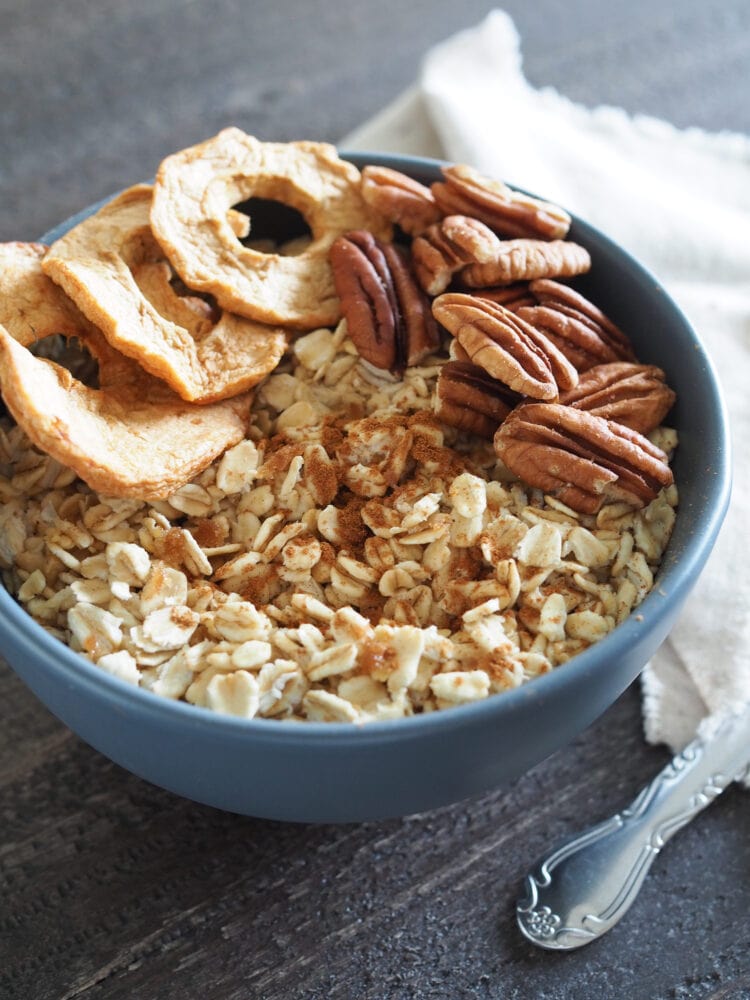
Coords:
pixel 76 669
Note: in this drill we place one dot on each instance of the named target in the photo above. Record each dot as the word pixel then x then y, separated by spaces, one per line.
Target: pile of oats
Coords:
pixel 351 560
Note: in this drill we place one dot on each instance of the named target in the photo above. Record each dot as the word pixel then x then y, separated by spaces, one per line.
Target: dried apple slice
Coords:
pixel 194 190
pixel 31 305
pixel 119 439
pixel 98 263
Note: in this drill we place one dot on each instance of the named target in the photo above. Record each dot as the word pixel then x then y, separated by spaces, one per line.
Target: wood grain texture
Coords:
pixel 111 888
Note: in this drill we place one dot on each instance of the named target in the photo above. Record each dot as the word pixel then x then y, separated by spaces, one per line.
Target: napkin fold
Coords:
pixel 677 199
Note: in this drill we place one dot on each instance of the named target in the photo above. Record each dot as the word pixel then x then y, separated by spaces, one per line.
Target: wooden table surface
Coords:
pixel 112 888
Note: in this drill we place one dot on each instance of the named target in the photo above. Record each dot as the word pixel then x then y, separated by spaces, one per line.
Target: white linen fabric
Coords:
pixel 679 200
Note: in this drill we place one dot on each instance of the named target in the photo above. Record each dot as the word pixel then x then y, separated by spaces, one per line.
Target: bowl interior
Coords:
pixel 661 335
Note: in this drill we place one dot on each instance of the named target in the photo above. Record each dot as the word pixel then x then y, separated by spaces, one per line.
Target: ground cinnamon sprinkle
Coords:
pixel 376 659
pixel 372 607
pixel 442 461
pixel 351 527
pixel 321 572
pixel 262 586
pixel 466 564
pixel 209 534
pixel 278 455
pixel 172 547
pixel 324 479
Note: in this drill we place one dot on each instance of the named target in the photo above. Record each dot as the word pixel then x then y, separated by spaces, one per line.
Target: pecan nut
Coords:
pixel 400 198
pixel 632 394
pixel 388 316
pixel 468 398
pixel 584 460
pixel 586 334
pixel 513 297
pixel 467 192
pixel 527 260
pixel 449 246
pixel 504 345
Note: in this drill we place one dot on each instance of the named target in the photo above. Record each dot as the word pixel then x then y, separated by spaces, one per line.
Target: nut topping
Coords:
pixel 399 198
pixel 448 247
pixel 582 459
pixel 526 260
pixel 581 345
pixel 387 315
pixel 471 400
pixel 631 394
pixel 497 340
pixel 513 297
pixel 582 331
pixel 508 212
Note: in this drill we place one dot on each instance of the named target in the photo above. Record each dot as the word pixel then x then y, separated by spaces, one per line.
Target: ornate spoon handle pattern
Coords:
pixel 581 890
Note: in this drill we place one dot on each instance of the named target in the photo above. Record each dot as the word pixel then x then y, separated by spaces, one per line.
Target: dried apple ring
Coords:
pixel 97 432
pixel 98 263
pixel 117 439
pixel 196 187
pixel 31 306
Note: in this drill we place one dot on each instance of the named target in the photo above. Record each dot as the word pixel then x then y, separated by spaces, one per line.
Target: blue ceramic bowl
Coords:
pixel 342 772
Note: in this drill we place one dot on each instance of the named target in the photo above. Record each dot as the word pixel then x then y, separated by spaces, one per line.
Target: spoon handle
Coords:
pixel 581 890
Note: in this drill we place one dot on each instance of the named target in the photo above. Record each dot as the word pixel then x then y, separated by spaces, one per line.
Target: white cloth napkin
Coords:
pixel 679 200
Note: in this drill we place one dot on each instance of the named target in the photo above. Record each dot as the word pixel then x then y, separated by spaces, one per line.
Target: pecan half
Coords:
pixel 456 352
pixel 447 247
pixel 526 260
pixel 387 315
pixel 566 301
pixel 513 297
pixel 471 400
pixel 632 394
pixel 494 338
pixel 465 191
pixel 399 198
pixel 581 345
pixel 582 459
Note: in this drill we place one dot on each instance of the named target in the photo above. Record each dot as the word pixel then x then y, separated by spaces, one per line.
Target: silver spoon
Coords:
pixel 587 884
